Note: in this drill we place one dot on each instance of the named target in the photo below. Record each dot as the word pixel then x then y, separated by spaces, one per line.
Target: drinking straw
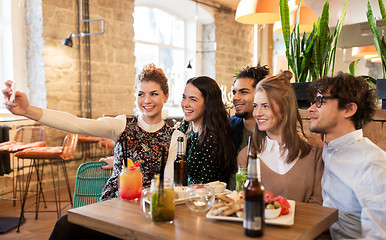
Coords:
pixel 161 175
pixel 249 149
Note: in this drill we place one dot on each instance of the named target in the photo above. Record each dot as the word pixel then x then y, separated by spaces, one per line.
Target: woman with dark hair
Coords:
pixel 291 163
pixel 209 150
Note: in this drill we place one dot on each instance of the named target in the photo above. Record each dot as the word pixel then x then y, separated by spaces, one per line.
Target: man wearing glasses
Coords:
pixel 354 178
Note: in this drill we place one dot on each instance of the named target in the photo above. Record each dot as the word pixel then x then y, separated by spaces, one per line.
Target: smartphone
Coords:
pixel 12 97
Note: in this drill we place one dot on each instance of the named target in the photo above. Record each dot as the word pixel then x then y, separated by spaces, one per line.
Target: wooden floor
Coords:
pixel 33 228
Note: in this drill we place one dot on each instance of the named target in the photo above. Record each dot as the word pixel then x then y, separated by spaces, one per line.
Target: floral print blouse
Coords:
pixel 139 145
pixel 201 158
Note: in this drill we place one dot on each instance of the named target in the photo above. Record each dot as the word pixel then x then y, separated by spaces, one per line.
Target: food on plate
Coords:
pixel 273 202
pixel 284 204
pixel 268 196
pixel 272 210
pixel 227 209
pixel 231 204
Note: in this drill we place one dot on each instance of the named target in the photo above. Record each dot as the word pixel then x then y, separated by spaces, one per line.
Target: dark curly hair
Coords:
pixel 151 73
pixel 349 89
pixel 256 73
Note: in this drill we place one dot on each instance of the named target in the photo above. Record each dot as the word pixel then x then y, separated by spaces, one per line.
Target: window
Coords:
pixel 12 45
pixel 6 57
pixel 171 34
pixel 160 39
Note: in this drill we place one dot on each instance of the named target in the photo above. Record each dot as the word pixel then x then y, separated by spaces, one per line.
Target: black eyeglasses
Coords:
pixel 319 100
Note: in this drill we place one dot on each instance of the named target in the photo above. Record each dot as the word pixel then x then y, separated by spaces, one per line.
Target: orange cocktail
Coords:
pixel 130 182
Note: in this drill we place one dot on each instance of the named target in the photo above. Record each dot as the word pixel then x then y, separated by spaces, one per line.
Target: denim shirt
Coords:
pixel 354 182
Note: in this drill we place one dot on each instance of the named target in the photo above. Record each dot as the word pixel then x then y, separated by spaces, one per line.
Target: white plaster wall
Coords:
pixel 34 53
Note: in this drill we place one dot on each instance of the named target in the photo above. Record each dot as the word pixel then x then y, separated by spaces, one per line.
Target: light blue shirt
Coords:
pixel 354 182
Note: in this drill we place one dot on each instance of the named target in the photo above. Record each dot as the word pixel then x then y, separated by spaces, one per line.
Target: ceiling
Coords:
pixel 356 10
pixel 228 3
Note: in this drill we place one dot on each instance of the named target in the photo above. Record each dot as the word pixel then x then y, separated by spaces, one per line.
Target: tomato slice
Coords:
pixel 284 204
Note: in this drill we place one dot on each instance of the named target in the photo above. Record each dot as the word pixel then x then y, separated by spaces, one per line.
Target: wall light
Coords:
pixel 68 40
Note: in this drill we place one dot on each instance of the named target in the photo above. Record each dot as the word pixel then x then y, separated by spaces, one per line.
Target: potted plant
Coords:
pixel 310 56
pixel 380 45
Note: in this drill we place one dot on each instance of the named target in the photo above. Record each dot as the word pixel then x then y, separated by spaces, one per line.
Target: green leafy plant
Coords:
pixel 379 42
pixel 370 80
pixel 310 56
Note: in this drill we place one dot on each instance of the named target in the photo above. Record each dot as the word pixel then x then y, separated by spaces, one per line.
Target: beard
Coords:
pixel 316 130
pixel 241 115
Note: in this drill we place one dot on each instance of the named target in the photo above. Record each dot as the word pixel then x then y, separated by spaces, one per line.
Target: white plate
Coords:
pixel 284 220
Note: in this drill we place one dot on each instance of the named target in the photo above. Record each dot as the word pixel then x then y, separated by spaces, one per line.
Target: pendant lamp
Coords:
pixel 363 51
pixel 376 60
pixel 257 11
pixel 307 18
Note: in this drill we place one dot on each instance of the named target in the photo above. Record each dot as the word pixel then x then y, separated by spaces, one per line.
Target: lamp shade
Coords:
pixel 257 11
pixel 362 51
pixel 371 56
pixel 376 60
pixel 307 18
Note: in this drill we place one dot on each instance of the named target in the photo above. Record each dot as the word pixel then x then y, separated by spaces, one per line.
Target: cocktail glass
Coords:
pixel 130 183
pixel 161 201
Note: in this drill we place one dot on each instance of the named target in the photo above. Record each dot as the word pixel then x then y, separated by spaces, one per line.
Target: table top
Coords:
pixel 124 219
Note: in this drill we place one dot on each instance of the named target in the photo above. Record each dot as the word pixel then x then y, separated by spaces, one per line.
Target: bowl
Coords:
pixel 218 187
pixel 199 198
pixel 180 192
pixel 272 213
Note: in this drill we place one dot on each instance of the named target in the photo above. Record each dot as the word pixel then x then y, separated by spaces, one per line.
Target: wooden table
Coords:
pixel 124 219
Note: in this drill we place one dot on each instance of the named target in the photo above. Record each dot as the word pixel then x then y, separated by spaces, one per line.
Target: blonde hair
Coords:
pixel 279 90
pixel 151 73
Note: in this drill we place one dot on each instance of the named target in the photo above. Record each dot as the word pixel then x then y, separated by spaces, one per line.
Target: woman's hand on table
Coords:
pixel 109 161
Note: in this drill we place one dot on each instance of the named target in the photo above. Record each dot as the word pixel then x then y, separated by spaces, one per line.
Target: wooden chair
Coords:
pixel 42 154
pixel 25 137
pixel 90 180
pixel 90 148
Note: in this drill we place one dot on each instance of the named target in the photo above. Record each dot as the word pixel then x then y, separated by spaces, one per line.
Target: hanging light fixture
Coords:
pixel 376 60
pixel 257 11
pixel 371 56
pixel 189 65
pixel 363 51
pixel 307 18
pixel 68 40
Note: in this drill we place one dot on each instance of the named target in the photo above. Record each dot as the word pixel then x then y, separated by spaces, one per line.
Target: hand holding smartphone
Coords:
pixel 12 97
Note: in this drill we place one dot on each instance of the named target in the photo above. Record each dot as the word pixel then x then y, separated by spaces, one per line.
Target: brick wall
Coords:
pixel 234 47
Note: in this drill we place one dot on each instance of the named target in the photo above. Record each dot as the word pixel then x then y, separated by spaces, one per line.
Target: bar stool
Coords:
pixel 58 154
pixel 88 146
pixel 25 137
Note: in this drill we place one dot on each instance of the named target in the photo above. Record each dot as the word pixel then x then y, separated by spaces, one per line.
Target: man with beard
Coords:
pixel 242 123
pixel 354 177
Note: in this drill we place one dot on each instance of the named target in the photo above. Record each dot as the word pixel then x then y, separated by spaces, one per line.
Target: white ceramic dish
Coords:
pixel 272 213
pixel 283 220
pixel 218 187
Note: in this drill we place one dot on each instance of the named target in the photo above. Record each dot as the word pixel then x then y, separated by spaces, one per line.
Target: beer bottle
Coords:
pixel 253 200
pixel 180 165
